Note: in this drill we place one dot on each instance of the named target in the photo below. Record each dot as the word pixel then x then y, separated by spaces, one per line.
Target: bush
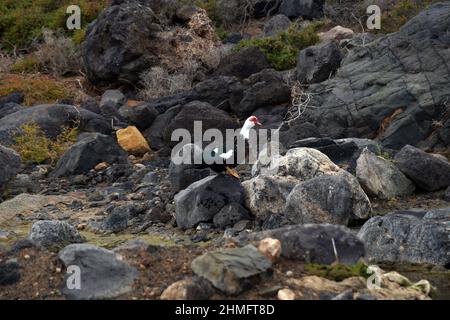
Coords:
pixel 26 64
pixel 36 89
pixel 282 50
pixel 58 55
pixel 158 82
pixel 23 21
pixel 6 62
pixel 34 147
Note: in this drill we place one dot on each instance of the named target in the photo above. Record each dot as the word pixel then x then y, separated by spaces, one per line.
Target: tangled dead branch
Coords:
pixel 300 99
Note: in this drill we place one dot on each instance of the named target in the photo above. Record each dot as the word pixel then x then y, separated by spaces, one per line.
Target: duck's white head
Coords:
pixel 250 123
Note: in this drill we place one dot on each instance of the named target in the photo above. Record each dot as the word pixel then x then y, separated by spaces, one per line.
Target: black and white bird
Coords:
pixel 220 160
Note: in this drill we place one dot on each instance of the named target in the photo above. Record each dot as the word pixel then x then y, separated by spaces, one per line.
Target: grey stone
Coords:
pixel 276 24
pixel 87 153
pixel 416 237
pixel 381 178
pixel 202 200
pixel 313 243
pixel 10 163
pixel 336 199
pixel 103 273
pixel 318 63
pixel 54 234
pixel 428 172
pixel 309 9
pixel 232 270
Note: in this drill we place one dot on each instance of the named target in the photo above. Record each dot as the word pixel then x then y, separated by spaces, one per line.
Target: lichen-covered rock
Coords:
pixel 54 234
pixel 381 178
pixel 416 237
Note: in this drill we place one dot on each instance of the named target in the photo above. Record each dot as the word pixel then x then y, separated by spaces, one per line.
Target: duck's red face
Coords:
pixel 255 121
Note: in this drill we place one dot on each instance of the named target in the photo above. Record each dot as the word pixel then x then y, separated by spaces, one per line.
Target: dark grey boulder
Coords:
pixel 232 270
pixel 276 24
pixel 417 237
pixel 313 243
pixel 141 116
pixel 10 163
pixel 54 234
pixel 318 63
pixel 428 172
pixel 264 89
pixel 111 102
pixel 52 118
pixel 243 64
pixel 340 152
pixel 183 175
pixel 183 117
pixel 87 153
pixel 229 215
pixel 371 97
pixel 204 199
pixel 103 274
pixel 308 9
pixel 9 108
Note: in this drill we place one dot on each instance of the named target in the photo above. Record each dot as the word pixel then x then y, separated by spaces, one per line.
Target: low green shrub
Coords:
pixel 282 50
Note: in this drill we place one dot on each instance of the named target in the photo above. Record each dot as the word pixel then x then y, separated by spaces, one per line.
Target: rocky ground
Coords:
pixel 363 179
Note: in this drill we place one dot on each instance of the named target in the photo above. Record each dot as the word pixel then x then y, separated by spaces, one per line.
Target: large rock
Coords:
pixel 308 9
pixel 9 165
pixel 103 273
pixel 131 36
pixel 416 237
pixel 141 116
pixel 183 117
pixel 318 63
pixel 313 243
pixel 232 270
pixel 204 199
pixel 392 88
pixel 52 119
pixel 428 172
pixel 183 175
pixel 264 90
pixel 276 24
pixel 243 64
pixel 381 178
pixel 336 199
pixel 54 234
pixel 336 33
pixel 266 193
pixel 87 153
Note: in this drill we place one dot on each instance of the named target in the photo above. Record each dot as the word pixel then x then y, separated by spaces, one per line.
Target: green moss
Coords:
pixel 34 147
pixel 337 272
pixel 22 21
pixel 282 50
pixel 79 36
